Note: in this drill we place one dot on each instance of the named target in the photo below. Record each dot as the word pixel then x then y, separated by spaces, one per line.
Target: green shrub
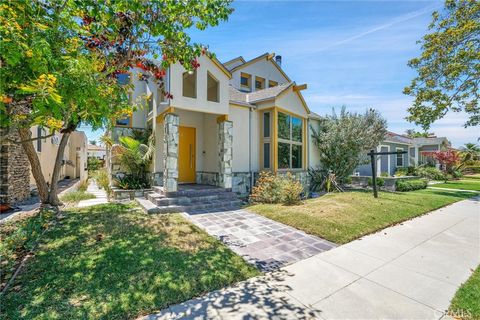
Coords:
pixel 101 176
pixel 410 185
pixel 76 196
pixel 401 172
pixel 83 185
pixel 430 173
pixel 471 169
pixel 93 164
pixel 384 174
pixel 130 181
pixel 272 188
pixel 380 182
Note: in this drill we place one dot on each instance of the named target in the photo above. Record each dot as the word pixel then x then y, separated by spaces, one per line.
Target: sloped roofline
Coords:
pixel 235 59
pixel 260 57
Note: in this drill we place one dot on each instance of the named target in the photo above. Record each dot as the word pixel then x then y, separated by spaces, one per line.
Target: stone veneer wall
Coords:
pixel 14 169
pixel 301 176
pixel 170 154
pixel 225 153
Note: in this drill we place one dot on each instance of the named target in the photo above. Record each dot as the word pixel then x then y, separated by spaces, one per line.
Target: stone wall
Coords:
pixel 170 154
pixel 225 153
pixel 301 176
pixel 14 169
pixel 209 178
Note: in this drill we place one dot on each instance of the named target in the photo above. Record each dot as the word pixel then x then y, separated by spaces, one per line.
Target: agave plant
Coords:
pixel 135 157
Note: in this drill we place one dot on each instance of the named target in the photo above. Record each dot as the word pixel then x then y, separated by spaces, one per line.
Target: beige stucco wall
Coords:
pixel 263 68
pixel 200 103
pixel 290 101
pixel 77 154
pixel 240 118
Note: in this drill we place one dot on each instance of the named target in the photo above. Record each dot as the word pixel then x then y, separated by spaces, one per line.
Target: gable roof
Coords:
pixel 398 138
pixel 260 57
pixel 268 93
pixel 240 58
pixel 238 97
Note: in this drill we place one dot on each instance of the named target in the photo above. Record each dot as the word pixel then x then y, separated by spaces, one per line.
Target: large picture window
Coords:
pixel 290 141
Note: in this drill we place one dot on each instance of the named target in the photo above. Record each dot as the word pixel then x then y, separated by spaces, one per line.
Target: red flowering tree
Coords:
pixel 448 159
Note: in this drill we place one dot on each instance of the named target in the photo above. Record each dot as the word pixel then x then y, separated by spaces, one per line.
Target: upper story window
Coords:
pixel 290 142
pixel 245 80
pixel 259 83
pixel 212 88
pixel 123 78
pixel 124 122
pixel 272 83
pixel 190 84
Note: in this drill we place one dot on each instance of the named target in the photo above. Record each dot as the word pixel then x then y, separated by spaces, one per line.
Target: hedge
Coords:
pixel 380 182
pixel 410 185
pixel 471 169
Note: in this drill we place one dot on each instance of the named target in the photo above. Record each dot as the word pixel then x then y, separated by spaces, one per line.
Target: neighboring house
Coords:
pixel 74 158
pixel 225 123
pixel 414 147
pixel 16 178
pixel 94 151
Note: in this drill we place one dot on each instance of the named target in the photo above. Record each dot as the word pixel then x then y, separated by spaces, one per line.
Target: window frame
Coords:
pixel 267 139
pixel 261 81
pixel 398 158
pixel 130 98
pixel 249 80
pixel 270 82
pixel 291 142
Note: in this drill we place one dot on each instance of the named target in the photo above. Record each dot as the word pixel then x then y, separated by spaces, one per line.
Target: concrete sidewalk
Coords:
pixel 409 271
pixel 100 195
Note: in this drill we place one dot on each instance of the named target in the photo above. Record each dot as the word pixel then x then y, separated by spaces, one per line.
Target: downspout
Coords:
pixel 250 147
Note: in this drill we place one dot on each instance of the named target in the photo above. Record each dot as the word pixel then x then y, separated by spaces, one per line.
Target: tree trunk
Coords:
pixel 25 134
pixel 53 196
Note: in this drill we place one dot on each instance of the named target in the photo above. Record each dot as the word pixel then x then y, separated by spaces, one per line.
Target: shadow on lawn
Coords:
pixel 110 261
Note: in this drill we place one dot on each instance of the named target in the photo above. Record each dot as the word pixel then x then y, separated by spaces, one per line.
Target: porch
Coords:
pixel 192 148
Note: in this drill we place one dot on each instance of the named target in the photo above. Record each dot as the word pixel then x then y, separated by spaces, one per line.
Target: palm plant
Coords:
pixel 135 158
pixel 470 152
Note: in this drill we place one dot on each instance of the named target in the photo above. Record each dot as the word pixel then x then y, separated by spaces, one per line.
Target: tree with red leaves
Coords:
pixel 448 159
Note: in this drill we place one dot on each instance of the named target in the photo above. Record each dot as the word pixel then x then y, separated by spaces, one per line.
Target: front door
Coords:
pixel 186 155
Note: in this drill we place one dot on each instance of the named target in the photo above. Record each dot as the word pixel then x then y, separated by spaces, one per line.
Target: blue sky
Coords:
pixel 351 53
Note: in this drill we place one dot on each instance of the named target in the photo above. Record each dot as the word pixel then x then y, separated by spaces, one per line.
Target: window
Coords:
pixel 190 84
pixel 212 88
pixel 399 158
pixel 266 140
pixel 266 125
pixel 245 80
pixel 290 142
pixel 272 83
pixel 123 78
pixel 266 155
pixel 259 83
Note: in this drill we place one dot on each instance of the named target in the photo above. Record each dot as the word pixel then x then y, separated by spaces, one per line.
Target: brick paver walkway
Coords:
pixel 263 242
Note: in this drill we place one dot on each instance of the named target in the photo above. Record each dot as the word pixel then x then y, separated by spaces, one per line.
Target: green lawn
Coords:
pixel 114 262
pixel 343 217
pixel 469 183
pixel 466 303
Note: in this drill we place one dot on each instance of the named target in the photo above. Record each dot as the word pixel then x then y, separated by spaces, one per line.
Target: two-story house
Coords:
pixel 224 123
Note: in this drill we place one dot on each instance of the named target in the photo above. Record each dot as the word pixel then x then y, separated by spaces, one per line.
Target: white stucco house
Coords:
pixel 225 123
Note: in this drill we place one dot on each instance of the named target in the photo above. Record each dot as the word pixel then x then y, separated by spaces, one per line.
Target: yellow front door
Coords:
pixel 186 155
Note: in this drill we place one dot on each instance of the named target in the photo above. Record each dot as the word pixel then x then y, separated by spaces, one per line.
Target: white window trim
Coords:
pixel 396 158
pixel 379 160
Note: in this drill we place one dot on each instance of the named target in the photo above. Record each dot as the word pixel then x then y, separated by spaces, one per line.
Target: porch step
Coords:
pixel 188 199
pixel 191 192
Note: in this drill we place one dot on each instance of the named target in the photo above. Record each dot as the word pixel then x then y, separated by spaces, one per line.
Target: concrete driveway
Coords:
pixel 409 271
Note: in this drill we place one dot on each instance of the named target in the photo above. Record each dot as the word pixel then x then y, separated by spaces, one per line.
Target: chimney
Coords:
pixel 278 60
